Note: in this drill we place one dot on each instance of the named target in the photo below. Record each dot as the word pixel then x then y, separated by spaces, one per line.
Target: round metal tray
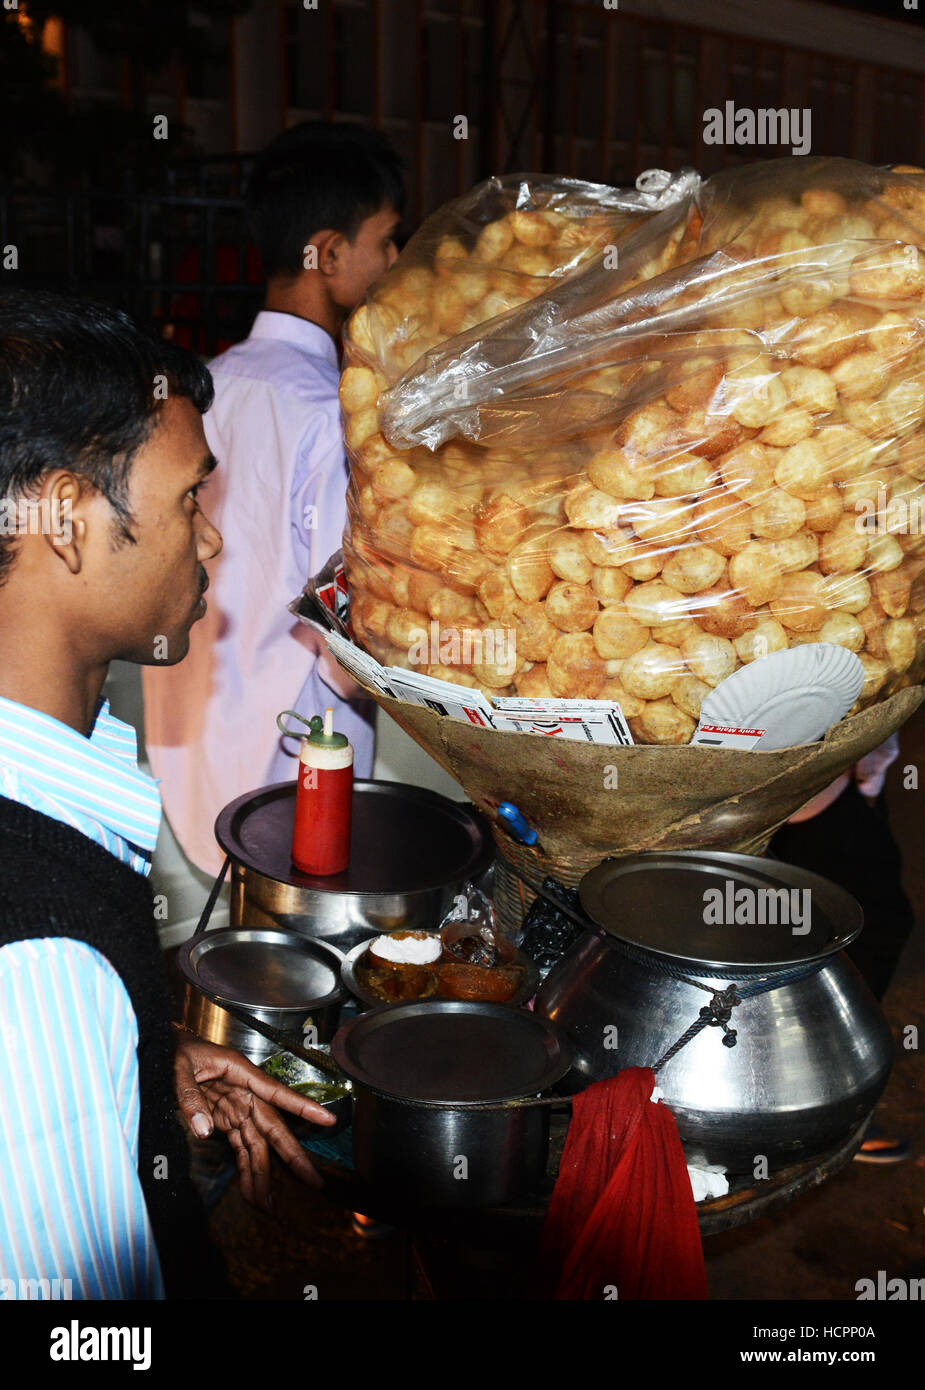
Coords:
pixel 348 973
pixel 451 1052
pixel 656 901
pixel 403 839
pixel 260 968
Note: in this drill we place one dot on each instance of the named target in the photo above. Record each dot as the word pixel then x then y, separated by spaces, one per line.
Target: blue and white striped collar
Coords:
pixel 95 781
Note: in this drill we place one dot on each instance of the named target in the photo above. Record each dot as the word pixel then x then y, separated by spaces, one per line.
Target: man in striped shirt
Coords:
pixel 102 548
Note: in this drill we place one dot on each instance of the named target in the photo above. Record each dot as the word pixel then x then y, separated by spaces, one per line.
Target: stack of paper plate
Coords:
pixel 785 699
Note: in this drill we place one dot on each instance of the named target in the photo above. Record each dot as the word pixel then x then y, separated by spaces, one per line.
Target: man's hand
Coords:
pixel 219 1089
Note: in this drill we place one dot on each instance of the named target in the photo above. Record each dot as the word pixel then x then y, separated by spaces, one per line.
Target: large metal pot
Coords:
pixel 412 851
pixel 281 978
pixel 447 1106
pixel 810 1056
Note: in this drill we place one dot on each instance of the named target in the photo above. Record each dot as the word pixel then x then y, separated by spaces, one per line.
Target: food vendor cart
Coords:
pixel 625 557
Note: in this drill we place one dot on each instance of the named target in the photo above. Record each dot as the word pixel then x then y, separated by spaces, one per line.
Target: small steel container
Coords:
pixel 284 979
pixel 434 1081
pixel 412 851
pixel 295 1071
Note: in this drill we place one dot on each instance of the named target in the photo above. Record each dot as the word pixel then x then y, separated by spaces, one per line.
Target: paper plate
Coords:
pixel 795 696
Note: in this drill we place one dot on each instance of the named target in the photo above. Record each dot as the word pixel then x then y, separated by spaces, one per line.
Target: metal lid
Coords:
pixel 403 839
pixel 716 908
pixel 452 1052
pixel 264 968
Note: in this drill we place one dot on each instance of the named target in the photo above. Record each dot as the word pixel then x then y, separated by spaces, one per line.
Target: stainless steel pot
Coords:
pixel 411 853
pixel 281 978
pixel 447 1106
pixel 810 1057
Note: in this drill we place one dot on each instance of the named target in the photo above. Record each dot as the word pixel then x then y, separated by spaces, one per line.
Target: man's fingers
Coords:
pixel 194 1106
pixel 217 1087
pixel 285 1144
pixel 243 1073
pixel 259 1156
pixel 242 1157
pixel 223 1068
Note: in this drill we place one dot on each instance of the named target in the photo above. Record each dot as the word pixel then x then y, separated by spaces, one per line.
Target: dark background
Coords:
pixel 89 197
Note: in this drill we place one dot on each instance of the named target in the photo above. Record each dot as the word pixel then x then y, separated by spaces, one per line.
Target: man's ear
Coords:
pixel 61 505
pixel 328 247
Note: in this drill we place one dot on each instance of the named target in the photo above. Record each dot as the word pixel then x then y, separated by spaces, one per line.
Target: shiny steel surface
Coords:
pixel 269 969
pixel 656 901
pixel 811 1057
pixel 284 979
pixel 415 1154
pixel 292 1071
pixel 211 1022
pixel 451 1051
pixel 411 852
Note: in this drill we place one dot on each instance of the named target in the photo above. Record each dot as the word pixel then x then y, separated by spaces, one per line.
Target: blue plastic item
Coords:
pixel 515 824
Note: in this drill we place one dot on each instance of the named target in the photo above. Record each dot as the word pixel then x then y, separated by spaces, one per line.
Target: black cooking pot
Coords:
pixel 448 1104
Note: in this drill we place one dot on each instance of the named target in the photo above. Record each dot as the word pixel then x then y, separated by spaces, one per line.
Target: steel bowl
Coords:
pixel 448 1105
pixel 809 1058
pixel 296 1072
pixel 283 978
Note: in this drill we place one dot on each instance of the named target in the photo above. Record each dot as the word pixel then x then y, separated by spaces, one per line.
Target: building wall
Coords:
pixel 569 86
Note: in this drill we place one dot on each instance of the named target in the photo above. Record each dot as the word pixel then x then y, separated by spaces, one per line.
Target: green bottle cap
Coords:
pixel 319 739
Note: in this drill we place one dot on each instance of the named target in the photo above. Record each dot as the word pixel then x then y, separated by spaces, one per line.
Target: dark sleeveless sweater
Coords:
pixel 55 881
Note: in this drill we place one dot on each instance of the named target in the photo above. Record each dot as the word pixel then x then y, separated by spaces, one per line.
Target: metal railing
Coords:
pixel 184 262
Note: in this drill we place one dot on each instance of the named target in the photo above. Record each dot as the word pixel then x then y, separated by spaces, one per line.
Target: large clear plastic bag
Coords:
pixel 652 443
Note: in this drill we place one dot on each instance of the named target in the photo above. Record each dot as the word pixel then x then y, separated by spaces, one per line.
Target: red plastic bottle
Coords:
pixel 324 800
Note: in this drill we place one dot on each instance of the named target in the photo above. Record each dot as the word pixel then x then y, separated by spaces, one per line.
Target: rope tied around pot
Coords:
pixel 719 1010
pixel 717 1013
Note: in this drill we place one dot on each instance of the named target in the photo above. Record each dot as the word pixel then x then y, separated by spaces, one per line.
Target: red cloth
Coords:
pixel 622 1216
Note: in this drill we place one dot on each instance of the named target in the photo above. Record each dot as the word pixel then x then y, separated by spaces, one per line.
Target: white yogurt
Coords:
pixel 409 950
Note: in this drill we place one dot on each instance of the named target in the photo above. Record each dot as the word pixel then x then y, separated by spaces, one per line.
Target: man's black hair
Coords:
pixel 81 386
pixel 318 176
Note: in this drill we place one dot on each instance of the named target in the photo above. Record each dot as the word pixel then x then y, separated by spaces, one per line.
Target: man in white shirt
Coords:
pixel 325 202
